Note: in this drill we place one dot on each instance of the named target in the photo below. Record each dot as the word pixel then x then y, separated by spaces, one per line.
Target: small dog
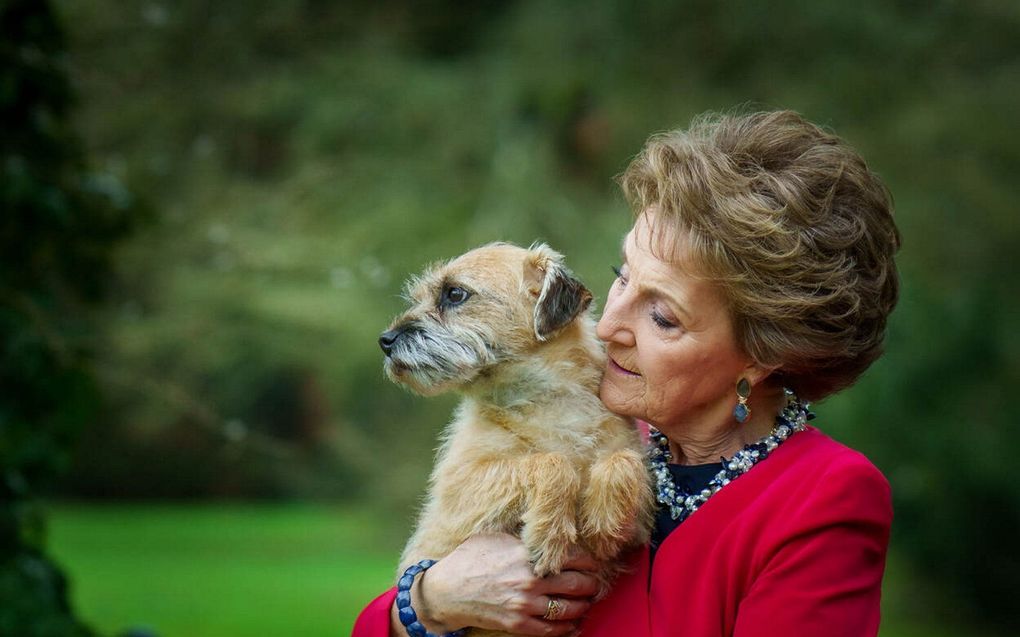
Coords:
pixel 531 450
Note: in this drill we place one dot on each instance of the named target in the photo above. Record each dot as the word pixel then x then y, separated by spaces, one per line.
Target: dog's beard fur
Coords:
pixel 432 358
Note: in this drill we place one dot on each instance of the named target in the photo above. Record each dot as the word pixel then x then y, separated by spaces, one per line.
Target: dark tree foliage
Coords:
pixel 58 226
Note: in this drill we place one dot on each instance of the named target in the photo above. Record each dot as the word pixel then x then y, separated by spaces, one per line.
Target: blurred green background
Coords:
pixel 209 208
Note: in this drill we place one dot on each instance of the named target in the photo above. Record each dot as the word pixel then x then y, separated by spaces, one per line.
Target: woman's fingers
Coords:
pixel 569 584
pixel 536 615
pixel 560 609
pixel 536 627
pixel 579 559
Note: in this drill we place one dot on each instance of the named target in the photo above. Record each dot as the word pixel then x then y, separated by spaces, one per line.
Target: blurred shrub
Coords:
pixel 58 227
pixel 279 446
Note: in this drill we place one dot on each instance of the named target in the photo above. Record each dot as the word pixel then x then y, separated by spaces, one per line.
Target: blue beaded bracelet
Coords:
pixel 407 615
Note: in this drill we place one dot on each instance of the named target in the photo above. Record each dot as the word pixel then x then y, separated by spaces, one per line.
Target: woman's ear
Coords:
pixel 756 372
pixel 561 296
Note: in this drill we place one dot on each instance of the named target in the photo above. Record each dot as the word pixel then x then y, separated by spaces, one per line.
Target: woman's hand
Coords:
pixel 487 582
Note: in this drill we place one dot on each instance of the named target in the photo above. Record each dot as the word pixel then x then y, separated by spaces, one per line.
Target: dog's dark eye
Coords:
pixel 454 296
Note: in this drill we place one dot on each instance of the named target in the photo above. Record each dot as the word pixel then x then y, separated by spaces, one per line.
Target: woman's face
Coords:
pixel 673 358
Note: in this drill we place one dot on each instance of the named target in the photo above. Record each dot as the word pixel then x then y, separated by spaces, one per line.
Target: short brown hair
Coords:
pixel 792 224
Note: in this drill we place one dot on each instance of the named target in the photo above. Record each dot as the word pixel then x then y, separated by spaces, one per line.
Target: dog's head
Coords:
pixel 491 305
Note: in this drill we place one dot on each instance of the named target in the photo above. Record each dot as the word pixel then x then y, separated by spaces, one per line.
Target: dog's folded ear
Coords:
pixel 561 297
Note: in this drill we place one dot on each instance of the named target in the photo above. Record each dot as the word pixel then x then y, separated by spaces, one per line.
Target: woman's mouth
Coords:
pixel 616 367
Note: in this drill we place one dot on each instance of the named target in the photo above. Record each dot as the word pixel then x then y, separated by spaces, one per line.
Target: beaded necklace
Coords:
pixel 682 504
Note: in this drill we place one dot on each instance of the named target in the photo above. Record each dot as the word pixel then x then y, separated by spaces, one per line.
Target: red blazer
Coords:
pixel 794 547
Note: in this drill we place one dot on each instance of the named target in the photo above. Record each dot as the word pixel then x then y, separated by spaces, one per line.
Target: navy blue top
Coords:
pixel 688 479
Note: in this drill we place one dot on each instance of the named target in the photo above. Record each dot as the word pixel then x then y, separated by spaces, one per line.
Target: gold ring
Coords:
pixel 554 610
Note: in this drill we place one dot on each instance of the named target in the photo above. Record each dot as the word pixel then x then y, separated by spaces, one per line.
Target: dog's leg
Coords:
pixel 467 498
pixel 551 486
pixel 613 507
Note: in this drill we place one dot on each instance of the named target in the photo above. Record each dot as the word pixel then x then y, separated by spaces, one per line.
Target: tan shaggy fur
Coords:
pixel 531 449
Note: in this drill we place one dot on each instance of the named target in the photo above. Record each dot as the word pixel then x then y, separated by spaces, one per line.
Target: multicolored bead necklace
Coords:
pixel 791 419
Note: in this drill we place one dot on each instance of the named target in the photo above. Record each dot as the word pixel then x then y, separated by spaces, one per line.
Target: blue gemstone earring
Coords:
pixel 741 412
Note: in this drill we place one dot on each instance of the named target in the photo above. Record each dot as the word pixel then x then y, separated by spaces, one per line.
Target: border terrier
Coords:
pixel 531 449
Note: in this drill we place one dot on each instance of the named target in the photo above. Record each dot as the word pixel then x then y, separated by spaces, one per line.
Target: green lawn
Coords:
pixel 221 571
pixel 264 570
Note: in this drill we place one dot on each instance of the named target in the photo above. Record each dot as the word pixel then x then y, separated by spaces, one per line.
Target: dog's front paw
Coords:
pixel 617 505
pixel 549 558
pixel 606 544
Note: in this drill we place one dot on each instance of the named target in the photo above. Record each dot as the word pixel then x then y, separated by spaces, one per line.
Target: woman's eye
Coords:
pixel 662 321
pixel 455 296
pixel 619 274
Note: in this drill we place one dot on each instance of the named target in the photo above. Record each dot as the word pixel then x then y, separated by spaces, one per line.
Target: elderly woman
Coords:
pixel 758 275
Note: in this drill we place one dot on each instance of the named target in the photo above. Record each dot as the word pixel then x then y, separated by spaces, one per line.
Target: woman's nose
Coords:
pixel 614 325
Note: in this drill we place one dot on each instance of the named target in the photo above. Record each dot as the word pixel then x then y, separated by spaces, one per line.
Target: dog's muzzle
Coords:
pixel 389 338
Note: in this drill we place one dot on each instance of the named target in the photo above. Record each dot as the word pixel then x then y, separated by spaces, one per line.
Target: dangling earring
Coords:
pixel 741 412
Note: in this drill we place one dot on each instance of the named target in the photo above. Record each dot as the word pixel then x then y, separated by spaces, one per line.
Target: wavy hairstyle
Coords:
pixel 794 227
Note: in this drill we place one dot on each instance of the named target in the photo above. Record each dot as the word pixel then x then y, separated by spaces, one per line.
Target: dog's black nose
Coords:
pixel 387 339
